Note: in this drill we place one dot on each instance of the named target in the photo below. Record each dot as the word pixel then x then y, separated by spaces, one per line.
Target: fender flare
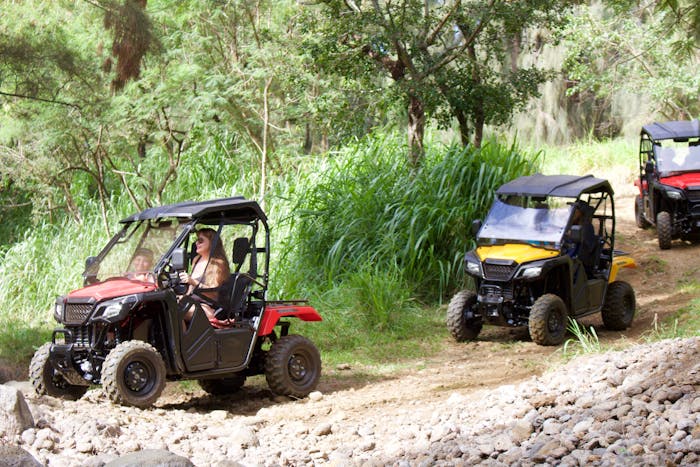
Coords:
pixel 274 312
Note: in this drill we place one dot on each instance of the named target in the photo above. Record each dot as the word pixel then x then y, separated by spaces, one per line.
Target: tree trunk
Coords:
pixel 479 124
pixel 416 128
pixel 263 155
pixel 308 141
pixel 479 117
pixel 463 122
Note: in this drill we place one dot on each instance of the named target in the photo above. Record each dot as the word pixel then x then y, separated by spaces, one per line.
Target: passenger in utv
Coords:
pixel 141 265
pixel 210 269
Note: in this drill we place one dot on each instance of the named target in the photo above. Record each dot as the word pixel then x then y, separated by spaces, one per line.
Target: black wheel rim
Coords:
pixel 299 368
pixel 138 376
pixel 554 322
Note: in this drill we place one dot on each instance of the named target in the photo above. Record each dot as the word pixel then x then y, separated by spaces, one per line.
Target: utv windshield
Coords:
pixel 134 251
pixel 677 157
pixel 525 219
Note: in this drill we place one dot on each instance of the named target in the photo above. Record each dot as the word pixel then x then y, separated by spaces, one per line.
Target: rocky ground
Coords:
pixel 501 400
pixel 639 406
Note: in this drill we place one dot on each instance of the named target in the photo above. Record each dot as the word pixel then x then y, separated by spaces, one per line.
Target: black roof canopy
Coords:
pixel 567 186
pixel 235 209
pixel 673 130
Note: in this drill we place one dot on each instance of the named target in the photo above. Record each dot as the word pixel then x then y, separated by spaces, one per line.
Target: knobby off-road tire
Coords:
pixel 619 307
pixel 133 374
pixel 222 386
pixel 547 322
pixel 460 326
pixel 46 381
pixel 664 230
pixel 293 366
pixel 639 213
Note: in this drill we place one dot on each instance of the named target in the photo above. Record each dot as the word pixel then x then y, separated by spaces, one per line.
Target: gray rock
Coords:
pixel 521 431
pixel 13 456
pixel 15 416
pixel 323 430
pixel 150 458
pixel 551 427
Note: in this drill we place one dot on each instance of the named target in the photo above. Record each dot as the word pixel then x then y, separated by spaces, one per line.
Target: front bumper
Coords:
pixel 63 358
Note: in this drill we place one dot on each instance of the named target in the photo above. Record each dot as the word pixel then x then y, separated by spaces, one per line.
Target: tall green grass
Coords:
pixel 372 243
pixel 366 206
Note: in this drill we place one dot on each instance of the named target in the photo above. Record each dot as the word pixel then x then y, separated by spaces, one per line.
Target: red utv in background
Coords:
pixel 126 331
pixel 669 181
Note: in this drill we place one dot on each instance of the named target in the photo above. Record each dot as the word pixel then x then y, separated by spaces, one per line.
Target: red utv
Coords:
pixel 126 331
pixel 669 181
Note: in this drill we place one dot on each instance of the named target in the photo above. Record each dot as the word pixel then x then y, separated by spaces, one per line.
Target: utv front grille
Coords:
pixel 77 313
pixel 693 194
pixel 499 272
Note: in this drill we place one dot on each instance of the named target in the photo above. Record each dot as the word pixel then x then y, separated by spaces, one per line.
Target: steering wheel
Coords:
pixel 168 277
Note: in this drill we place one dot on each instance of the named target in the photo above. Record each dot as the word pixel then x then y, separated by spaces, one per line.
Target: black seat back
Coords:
pixel 241 248
pixel 233 294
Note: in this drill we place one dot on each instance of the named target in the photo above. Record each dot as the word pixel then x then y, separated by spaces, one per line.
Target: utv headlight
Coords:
pixel 473 268
pixel 532 272
pixel 113 308
pixel 673 194
pixel 58 311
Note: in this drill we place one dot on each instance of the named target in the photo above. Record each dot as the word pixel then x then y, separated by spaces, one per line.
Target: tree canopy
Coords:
pixel 104 98
pixel 442 60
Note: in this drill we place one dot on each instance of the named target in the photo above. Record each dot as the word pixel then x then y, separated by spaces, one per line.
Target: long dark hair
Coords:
pixel 218 251
pixel 218 269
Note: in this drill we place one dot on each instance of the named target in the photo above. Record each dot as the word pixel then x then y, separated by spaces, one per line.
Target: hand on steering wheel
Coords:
pixel 167 277
pixel 185 278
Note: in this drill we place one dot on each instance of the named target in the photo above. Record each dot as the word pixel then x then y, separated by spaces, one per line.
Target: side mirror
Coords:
pixel 476 226
pixel 91 268
pixel 179 259
pixel 576 233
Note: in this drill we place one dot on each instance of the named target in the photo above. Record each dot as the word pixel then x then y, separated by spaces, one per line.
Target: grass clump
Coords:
pixel 681 324
pixel 597 157
pixel 585 340
pixel 370 316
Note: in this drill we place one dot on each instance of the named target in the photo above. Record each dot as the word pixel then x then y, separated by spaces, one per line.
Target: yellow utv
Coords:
pixel 545 253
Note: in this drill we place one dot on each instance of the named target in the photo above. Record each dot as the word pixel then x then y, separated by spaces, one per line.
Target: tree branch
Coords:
pixel 438 28
pixel 40 99
pixel 447 56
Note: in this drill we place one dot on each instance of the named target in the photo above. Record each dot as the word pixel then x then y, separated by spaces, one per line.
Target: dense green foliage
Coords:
pixel 109 106
pixel 636 49
pixel 448 61
pixel 369 209
pixel 370 235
